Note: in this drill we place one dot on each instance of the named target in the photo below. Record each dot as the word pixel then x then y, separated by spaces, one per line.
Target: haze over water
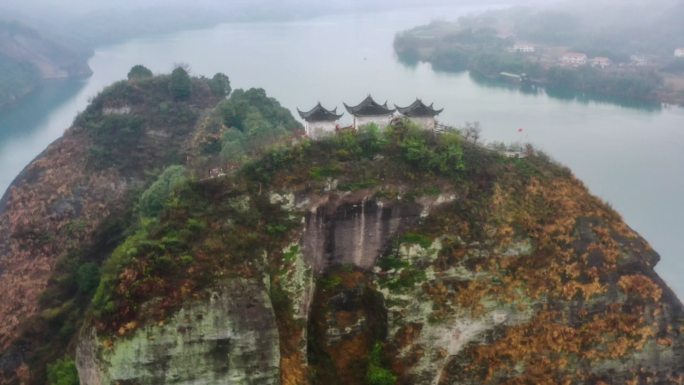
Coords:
pixel 631 157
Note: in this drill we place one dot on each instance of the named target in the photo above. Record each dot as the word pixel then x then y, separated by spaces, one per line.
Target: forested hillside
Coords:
pixel 27 58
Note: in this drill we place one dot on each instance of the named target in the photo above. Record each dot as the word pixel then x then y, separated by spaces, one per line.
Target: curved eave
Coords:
pixel 416 110
pixel 320 114
pixel 355 111
pixel 423 115
pixel 349 109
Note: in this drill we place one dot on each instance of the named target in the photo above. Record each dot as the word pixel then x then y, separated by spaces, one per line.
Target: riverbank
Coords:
pixel 450 48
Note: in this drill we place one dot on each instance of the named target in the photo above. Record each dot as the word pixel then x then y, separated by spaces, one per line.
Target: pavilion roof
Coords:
pixel 320 114
pixel 369 107
pixel 419 109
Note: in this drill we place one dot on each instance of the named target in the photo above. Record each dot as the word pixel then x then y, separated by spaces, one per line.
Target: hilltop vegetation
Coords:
pixel 240 128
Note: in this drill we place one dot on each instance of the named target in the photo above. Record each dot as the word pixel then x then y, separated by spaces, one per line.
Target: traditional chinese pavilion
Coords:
pixel 421 114
pixel 369 111
pixel 320 121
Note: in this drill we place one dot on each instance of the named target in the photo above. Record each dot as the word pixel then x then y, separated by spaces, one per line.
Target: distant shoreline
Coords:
pixel 488 59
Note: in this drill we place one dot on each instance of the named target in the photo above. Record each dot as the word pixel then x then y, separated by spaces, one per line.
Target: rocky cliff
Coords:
pixel 70 205
pixel 226 339
pixel 373 257
pixel 411 258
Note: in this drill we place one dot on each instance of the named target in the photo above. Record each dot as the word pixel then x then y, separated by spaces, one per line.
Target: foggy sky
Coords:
pixel 76 7
pixel 94 22
pixel 90 23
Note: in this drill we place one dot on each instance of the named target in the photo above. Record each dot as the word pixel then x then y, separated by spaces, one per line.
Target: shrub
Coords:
pixel 372 140
pixel 113 136
pixel 377 374
pixel 63 372
pixel 417 239
pixel 180 84
pixel 448 159
pixel 153 200
pixel 103 301
pixel 87 277
pixel 319 173
pixel 256 121
pixel 220 85
pixel 416 151
pixel 139 72
pixel 331 282
pixel 347 145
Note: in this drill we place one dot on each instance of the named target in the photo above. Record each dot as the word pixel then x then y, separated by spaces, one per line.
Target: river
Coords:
pixel 630 156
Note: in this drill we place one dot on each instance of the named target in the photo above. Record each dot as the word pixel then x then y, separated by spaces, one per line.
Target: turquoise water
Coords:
pixel 630 155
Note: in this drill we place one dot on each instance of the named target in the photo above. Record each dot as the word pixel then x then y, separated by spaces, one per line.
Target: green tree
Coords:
pixel 139 72
pixel 372 140
pixel 220 85
pixel 180 84
pixel 256 121
pixel 153 200
pixel 63 372
pixel 448 159
pixel 87 277
pixel 377 374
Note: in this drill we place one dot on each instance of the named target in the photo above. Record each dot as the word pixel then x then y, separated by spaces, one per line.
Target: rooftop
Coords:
pixel 419 109
pixel 369 107
pixel 320 114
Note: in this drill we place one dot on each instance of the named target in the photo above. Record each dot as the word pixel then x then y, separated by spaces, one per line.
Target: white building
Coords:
pixel 523 48
pixel 368 111
pixel 679 52
pixel 574 59
pixel 320 121
pixel 639 60
pixel 421 114
pixel 601 62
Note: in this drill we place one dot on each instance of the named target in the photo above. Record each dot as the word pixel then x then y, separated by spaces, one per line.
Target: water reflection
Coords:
pixel 583 97
pixel 24 119
pixel 567 94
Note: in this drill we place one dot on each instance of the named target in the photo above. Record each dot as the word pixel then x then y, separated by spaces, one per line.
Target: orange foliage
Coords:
pixel 293 370
pixel 640 286
pixel 544 345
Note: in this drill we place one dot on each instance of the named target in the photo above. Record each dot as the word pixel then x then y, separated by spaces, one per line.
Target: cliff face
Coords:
pixel 64 207
pixel 383 266
pixel 228 338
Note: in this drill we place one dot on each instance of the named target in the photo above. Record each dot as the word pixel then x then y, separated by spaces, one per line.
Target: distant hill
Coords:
pixel 27 58
pixel 599 28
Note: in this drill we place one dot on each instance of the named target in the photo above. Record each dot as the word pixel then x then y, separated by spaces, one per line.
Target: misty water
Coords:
pixel 630 156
